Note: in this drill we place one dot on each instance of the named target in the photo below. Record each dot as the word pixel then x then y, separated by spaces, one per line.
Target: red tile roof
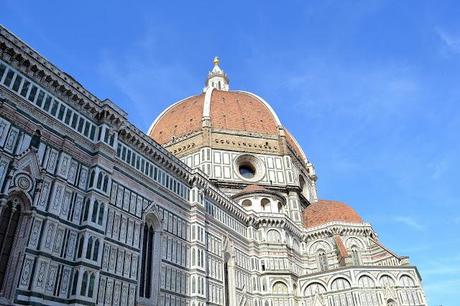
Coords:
pixel 340 246
pixel 238 111
pixel 325 211
pixel 179 120
pixel 229 110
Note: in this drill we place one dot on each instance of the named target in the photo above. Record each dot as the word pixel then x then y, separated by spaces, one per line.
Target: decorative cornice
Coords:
pixel 46 74
pixel 260 192
pixel 337 228
pixel 37 67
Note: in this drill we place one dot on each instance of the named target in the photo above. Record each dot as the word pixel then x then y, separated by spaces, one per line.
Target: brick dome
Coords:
pixel 325 211
pixel 232 111
pixel 223 119
pixel 178 120
pixel 227 110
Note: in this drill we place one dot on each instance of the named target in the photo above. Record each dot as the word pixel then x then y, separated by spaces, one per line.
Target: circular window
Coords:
pixel 247 171
pixel 249 167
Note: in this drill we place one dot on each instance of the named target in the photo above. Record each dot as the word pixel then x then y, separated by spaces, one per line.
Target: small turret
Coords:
pixel 217 77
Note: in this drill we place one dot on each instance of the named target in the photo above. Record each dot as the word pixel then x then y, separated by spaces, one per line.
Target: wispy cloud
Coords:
pixel 362 93
pixel 451 41
pixel 409 221
pixel 144 78
pixel 439 168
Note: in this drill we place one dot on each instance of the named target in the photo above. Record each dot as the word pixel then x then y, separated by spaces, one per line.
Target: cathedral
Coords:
pixel 215 205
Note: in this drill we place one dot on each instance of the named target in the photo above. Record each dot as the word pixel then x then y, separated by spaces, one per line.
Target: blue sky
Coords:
pixel 370 89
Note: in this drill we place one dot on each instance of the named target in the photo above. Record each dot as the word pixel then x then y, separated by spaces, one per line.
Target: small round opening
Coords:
pixel 249 168
pixel 247 171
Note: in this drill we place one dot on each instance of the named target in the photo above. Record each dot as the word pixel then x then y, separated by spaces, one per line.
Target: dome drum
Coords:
pixel 263 204
pixel 259 199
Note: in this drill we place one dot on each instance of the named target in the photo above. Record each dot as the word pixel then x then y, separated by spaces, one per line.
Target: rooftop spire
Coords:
pixel 217 77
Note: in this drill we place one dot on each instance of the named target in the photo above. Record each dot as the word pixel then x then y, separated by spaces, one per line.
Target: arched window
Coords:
pixel 106 183
pixel 322 261
pixel 146 262
pixel 91 178
pixel 340 284
pixel 89 248
pixel 280 207
pixel 407 281
pixel 246 203
pixel 80 246
pixel 99 180
pixel 193 284
pixel 313 289
pixel 91 285
pixel 75 283
pixel 391 302
pixel 86 210
pixel 193 257
pixel 84 283
pixel 95 210
pixel 386 280
pixel 106 135
pixel 279 288
pixel 112 139
pixel 273 236
pixel 366 282
pixel 149 249
pixel 101 214
pixel 96 250
pixel 355 256
pixel 265 204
